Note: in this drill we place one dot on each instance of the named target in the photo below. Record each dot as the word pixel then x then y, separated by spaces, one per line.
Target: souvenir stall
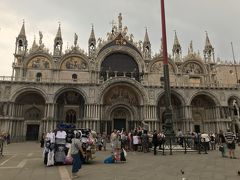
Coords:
pixel 58 143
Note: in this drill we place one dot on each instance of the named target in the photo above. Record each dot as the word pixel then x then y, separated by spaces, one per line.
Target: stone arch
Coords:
pixel 70 105
pixel 65 89
pixel 199 65
pixel 120 49
pixel 233 97
pixel 157 65
pixel 22 90
pixel 209 94
pixel 136 86
pixel 175 93
pixel 177 102
pixel 203 111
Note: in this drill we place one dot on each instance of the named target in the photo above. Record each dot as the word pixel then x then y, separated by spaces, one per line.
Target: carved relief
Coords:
pixel 192 68
pixel 151 94
pixel 92 93
pixel 121 94
pixel 74 63
pixel 7 91
pixel 39 63
pixel 158 67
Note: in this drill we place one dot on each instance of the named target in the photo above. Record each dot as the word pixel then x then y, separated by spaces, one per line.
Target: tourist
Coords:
pixel 180 137
pixel 155 141
pixel 104 141
pixel 222 142
pixel 212 141
pixel 42 140
pixel 205 140
pixel 230 140
pixel 76 149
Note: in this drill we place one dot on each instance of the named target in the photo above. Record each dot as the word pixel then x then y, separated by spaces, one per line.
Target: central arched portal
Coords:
pixel 121 108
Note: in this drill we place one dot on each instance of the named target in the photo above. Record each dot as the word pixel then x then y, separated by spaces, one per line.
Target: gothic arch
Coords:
pixel 120 49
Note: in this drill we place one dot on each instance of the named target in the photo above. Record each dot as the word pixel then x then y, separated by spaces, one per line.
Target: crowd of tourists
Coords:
pixel 137 140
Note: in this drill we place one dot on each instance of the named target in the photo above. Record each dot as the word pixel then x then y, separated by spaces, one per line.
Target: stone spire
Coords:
pixel 190 49
pixel 92 36
pixel 58 42
pixel 59 33
pixel 22 31
pixel 92 43
pixel 34 45
pixel 146 38
pixel 34 42
pixel 21 41
pixel 208 50
pixel 146 46
pixel 177 50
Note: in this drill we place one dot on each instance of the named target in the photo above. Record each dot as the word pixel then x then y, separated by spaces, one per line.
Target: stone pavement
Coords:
pixel 23 161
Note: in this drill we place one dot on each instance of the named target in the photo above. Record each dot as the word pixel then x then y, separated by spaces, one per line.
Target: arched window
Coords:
pixel 74 77
pixel 38 77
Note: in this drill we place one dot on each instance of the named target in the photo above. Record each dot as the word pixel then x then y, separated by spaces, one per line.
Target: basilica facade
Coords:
pixel 115 84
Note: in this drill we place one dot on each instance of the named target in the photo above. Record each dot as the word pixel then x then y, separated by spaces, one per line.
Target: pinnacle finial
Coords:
pixel 176 42
pixel 146 38
pixel 59 33
pixel 22 31
pixel 92 36
pixel 207 42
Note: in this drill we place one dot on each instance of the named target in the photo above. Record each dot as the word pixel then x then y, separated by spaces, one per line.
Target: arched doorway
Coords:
pixel 120 117
pixel 203 113
pixel 177 111
pixel 70 107
pixel 121 108
pixel 32 106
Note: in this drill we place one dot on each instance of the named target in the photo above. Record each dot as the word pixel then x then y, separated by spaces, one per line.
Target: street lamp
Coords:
pixel 167 90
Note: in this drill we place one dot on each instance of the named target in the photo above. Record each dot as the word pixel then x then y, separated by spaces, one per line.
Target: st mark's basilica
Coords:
pixel 115 84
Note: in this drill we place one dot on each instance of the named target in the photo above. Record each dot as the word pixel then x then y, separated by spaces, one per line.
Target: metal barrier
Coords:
pixel 181 144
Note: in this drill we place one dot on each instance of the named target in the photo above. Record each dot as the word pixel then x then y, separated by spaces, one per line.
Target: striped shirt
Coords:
pixel 230 137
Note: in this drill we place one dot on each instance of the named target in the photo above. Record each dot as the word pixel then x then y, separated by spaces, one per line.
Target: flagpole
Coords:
pixel 168 127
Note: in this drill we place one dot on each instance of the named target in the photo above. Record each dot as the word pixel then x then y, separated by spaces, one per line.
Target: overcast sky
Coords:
pixel 190 18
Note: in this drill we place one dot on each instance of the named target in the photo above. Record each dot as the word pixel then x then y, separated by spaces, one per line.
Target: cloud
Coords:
pixel 190 18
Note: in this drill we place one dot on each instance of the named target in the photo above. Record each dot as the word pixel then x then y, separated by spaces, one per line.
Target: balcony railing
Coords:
pixel 104 76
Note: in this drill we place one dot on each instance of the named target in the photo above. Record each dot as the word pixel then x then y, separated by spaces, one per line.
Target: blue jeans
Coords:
pixel 77 163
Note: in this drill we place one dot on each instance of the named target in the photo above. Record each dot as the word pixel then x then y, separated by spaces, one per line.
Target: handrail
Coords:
pixel 76 81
